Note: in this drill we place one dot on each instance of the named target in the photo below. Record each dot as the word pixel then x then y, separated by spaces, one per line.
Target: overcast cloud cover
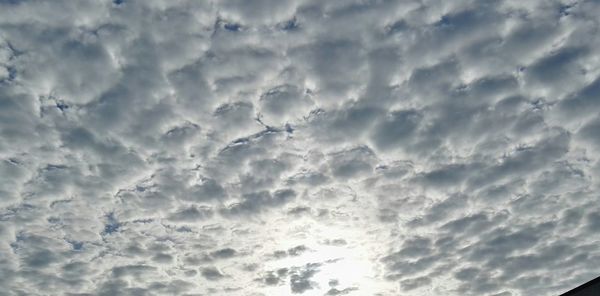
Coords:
pixel 270 147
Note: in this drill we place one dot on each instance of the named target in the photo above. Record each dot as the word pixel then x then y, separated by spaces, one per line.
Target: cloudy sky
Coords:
pixel 269 147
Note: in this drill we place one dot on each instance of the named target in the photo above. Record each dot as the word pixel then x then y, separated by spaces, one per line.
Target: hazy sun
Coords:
pixel 342 264
pixel 347 264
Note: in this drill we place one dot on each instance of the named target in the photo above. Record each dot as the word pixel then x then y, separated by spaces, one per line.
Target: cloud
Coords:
pixel 300 279
pixel 211 273
pixel 411 284
pixel 224 253
pixel 267 148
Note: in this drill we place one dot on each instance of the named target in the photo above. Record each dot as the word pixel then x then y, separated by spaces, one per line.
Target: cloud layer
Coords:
pixel 271 147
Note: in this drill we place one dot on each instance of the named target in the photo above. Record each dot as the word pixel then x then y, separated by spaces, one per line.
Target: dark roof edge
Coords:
pixel 595 281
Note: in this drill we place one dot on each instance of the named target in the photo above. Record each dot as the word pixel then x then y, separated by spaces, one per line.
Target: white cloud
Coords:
pixel 271 147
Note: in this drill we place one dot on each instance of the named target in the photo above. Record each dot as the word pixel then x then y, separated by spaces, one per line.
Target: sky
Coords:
pixel 270 147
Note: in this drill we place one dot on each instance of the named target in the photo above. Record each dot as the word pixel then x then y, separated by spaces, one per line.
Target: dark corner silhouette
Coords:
pixel 591 288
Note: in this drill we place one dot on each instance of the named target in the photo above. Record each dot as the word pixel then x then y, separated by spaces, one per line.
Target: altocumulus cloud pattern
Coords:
pixel 269 147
